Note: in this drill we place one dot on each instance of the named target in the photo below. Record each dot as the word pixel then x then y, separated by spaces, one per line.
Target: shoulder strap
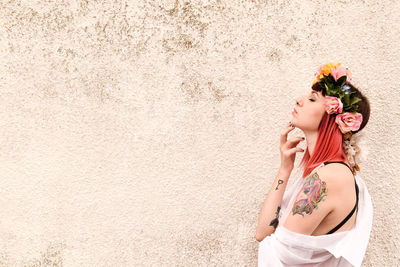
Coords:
pixel 348 216
pixel 355 206
pixel 327 162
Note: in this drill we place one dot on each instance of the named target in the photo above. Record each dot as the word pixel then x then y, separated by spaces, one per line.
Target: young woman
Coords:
pixel 325 216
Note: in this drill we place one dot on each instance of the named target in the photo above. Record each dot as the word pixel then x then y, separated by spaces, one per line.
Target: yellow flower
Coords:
pixel 326 70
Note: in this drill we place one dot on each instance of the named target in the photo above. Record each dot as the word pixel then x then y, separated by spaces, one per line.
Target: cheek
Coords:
pixel 313 113
pixel 311 117
pixel 318 112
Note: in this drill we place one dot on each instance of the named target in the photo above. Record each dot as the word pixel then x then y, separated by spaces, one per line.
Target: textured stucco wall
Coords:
pixel 147 132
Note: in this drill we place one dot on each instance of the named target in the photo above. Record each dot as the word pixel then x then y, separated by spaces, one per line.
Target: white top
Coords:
pixel 285 248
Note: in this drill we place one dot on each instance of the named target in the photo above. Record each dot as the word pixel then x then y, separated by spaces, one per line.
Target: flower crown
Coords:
pixel 334 78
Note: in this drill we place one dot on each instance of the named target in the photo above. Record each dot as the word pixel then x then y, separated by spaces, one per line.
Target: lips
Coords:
pixel 294 111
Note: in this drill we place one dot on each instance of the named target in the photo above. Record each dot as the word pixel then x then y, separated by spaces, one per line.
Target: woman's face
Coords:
pixel 310 110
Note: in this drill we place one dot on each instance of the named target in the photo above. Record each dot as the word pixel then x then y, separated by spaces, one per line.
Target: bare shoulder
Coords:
pixel 317 198
pixel 323 194
pixel 338 175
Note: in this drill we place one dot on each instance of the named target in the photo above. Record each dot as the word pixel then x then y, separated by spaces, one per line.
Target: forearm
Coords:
pixel 268 217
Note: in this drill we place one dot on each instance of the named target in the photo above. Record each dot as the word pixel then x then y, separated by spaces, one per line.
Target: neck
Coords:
pixel 311 138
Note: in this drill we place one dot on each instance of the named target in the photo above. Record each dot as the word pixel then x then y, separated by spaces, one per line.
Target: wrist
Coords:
pixel 284 173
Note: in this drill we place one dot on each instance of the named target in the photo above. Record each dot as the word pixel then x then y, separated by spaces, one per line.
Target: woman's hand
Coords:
pixel 288 149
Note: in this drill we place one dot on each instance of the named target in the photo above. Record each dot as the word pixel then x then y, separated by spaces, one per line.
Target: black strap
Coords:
pixel 355 206
pixel 327 162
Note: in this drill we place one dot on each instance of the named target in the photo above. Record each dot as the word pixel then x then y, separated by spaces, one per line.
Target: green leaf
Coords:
pixel 327 89
pixel 347 100
pixel 355 100
pixel 330 79
pixel 341 80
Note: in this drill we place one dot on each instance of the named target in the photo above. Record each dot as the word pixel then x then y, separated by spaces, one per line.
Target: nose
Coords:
pixel 298 101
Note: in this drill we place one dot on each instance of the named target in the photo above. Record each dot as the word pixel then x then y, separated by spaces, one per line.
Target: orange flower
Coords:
pixel 325 70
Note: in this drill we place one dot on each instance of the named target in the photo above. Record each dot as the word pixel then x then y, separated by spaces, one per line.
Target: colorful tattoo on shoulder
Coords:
pixel 313 191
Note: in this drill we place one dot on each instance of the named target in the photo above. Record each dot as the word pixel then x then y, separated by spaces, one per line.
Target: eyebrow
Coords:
pixel 313 92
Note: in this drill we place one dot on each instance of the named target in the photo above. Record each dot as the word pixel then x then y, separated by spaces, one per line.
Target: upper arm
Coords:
pixel 312 204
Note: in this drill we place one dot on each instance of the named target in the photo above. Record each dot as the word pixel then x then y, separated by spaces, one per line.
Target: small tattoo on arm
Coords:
pixel 313 191
pixel 279 182
pixel 275 221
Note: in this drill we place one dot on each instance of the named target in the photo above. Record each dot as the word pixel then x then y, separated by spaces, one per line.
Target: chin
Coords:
pixel 294 123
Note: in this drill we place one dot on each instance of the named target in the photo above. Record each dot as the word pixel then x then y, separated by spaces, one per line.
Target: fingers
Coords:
pixel 285 132
pixel 294 141
pixel 294 150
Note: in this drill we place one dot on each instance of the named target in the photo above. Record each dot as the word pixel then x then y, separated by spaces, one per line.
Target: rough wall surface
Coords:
pixel 146 133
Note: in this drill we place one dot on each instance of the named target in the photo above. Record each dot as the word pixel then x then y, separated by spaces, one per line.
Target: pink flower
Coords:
pixel 349 121
pixel 318 73
pixel 338 72
pixel 333 105
pixel 348 74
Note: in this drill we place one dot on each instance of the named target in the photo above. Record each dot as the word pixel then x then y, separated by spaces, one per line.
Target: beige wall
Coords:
pixel 146 133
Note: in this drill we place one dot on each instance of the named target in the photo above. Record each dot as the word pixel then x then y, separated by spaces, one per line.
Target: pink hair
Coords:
pixel 327 148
